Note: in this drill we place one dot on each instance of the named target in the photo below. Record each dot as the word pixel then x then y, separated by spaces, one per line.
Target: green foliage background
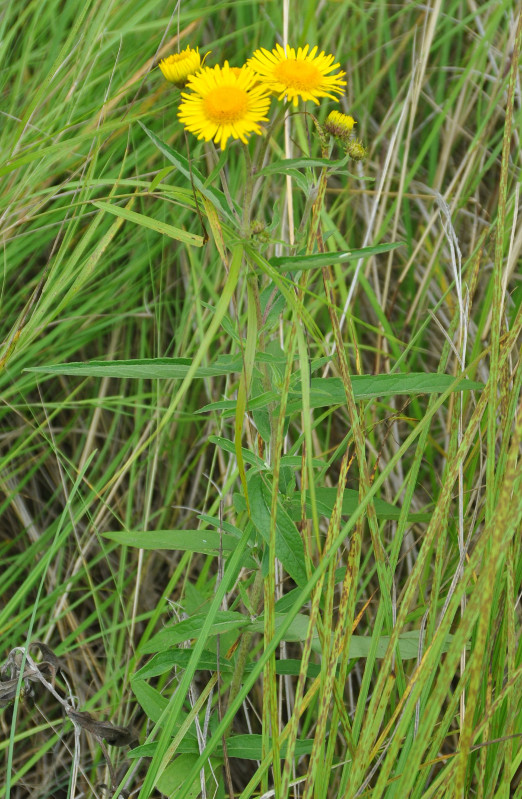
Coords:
pixel 425 699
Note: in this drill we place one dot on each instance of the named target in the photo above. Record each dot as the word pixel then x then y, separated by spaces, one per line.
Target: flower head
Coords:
pixel 176 68
pixel 225 102
pixel 339 125
pixel 300 74
pixel 356 150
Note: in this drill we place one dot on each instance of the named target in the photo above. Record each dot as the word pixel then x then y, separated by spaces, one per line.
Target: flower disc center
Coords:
pixel 226 104
pixel 297 74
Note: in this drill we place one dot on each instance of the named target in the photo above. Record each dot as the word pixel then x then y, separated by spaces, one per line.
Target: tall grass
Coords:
pixel 387 661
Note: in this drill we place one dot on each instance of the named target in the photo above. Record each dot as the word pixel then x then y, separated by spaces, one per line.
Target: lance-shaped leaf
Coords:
pixel 330 391
pixel 297 263
pixel 325 499
pixel 152 224
pixel 142 368
pixel 225 621
pixel 216 197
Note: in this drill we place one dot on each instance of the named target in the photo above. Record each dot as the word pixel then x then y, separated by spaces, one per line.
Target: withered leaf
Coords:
pixel 50 659
pixel 102 730
pixel 7 692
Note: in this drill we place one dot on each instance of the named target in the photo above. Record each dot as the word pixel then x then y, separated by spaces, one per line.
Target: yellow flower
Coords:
pixel 224 103
pixel 177 68
pixel 300 74
pixel 339 125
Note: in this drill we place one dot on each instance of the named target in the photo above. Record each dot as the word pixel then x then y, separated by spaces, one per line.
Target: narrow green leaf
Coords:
pixel 326 498
pixel 205 541
pixel 287 165
pixel 221 524
pixel 159 177
pixel 330 391
pixel 164 662
pixel 297 631
pixel 293 668
pixel 153 224
pixel 228 446
pixel 301 262
pixel 145 750
pixel 223 622
pixel 408 644
pixel 142 368
pixel 249 747
pixel 254 403
pixel 244 747
pixel 360 645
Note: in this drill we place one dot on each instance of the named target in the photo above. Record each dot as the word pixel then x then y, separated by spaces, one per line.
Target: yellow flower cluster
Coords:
pixel 340 126
pixel 223 103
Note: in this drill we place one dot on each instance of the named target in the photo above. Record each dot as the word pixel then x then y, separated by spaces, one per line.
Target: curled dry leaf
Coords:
pixel 7 692
pixel 102 730
pixel 50 660
pixel 44 673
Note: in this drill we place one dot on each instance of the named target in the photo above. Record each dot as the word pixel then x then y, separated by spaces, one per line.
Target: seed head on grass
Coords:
pixel 176 68
pixel 224 102
pixel 298 75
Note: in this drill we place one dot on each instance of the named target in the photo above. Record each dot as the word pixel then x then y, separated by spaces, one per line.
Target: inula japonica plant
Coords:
pixel 275 552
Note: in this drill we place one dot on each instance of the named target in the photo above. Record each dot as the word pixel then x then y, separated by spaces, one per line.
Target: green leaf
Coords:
pixel 206 542
pixel 360 645
pixel 408 643
pixel 228 446
pixel 176 774
pixel 143 368
pixel 297 631
pixel 221 524
pixel 244 747
pixel 189 171
pixel 293 668
pixel 289 165
pixel 325 498
pixel 150 699
pixel 163 173
pixel 145 750
pixel 224 622
pixel 295 462
pixel 289 545
pixel 330 391
pixel 261 416
pixel 284 604
pixel 327 391
pixel 262 401
pixel 164 661
pixel 250 747
pixel 153 224
pixel 301 262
